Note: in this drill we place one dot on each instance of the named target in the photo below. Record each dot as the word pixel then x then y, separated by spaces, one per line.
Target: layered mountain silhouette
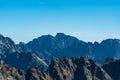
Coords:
pixel 74 68
pixel 56 58
pixel 18 55
pixel 48 46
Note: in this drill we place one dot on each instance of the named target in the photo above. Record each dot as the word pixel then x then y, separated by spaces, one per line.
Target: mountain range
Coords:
pixel 48 46
pixel 57 58
pixel 67 68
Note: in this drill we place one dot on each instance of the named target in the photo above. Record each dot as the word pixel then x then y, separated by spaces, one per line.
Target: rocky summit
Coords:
pixel 10 73
pixel 43 59
pixel 113 68
pixel 80 68
pixel 48 46
pixel 19 55
pixel 76 68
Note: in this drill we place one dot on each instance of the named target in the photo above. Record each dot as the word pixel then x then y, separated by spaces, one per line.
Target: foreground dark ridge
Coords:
pixel 80 68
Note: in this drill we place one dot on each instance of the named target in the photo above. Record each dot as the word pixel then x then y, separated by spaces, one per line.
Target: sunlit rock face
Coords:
pixel 10 73
pixel 80 68
pixel 7 46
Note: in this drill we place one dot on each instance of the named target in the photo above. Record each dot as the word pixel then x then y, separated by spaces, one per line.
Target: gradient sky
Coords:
pixel 89 20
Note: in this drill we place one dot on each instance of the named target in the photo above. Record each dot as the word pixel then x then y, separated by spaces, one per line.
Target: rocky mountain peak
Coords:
pixel 7 46
pixel 112 68
pixel 67 68
pixel 10 73
pixel 109 60
pixel 80 68
pixel 110 42
pixel 60 35
pixel 6 40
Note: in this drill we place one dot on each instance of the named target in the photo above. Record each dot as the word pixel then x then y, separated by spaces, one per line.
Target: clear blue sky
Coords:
pixel 89 20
